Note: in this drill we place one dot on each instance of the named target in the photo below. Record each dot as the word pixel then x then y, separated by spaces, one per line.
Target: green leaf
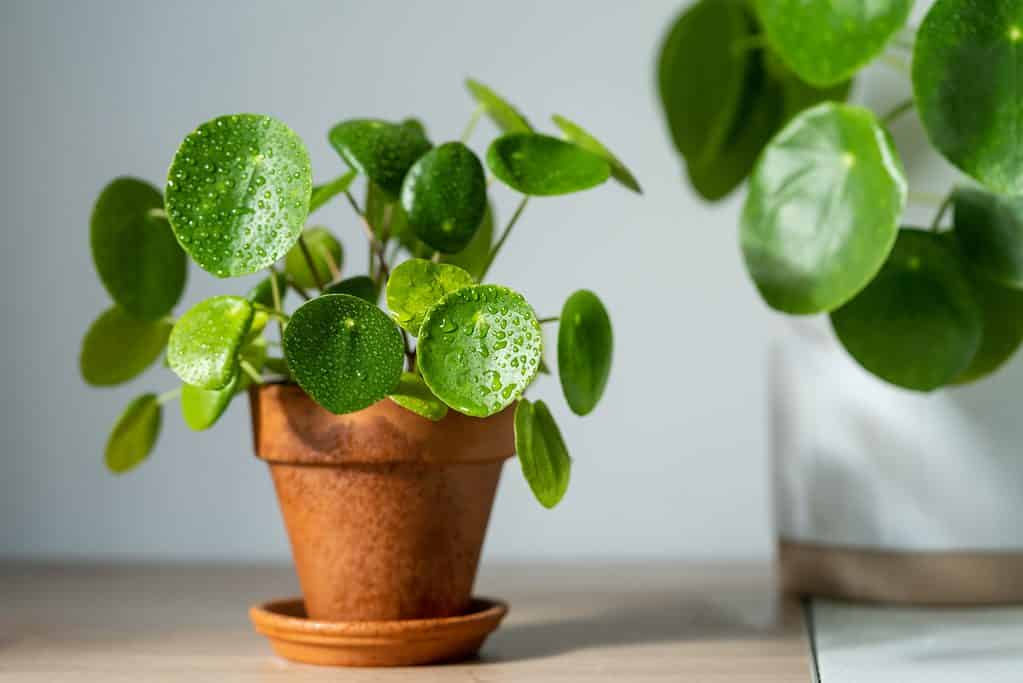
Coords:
pixel 542 453
pixel 201 408
pixel 826 42
pixel 238 193
pixel 413 394
pixel 137 258
pixel 381 151
pixel 990 232
pixel 416 286
pixel 360 286
pixel 118 347
pixel 203 346
pixel 702 74
pixel 324 192
pixel 797 94
pixel 479 348
pixel 445 197
pixel 917 324
pixel 344 352
pixel 585 346
pixel 823 209
pixel 967 76
pixel 504 115
pixel 263 293
pixel 575 133
pixel 474 257
pixel 1002 311
pixel 537 164
pixel 134 434
pixel 327 256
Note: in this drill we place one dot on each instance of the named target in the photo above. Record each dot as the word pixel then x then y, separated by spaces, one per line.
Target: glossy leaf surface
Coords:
pixel 136 255
pixel 545 462
pixel 918 323
pixel 413 394
pixel 479 348
pixel 500 111
pixel 416 285
pixel 238 193
pixel 118 347
pixel 204 344
pixel 823 208
pixel 989 229
pixel 201 408
pixel 326 253
pixel 445 197
pixel 379 150
pixel 134 434
pixel 577 134
pixel 541 165
pixel 344 352
pixel 585 346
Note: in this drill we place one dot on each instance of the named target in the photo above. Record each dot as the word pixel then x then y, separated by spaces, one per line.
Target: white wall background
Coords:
pixel 673 463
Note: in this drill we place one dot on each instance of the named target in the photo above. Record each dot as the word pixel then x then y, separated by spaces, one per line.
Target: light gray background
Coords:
pixel 673 462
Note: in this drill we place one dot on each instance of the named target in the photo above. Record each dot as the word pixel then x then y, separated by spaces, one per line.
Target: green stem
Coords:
pixel 504 236
pixel 273 313
pixel 250 371
pixel 549 319
pixel 298 288
pixel 471 126
pixel 897 111
pixel 942 210
pixel 309 262
pixel 168 395
pixel 275 291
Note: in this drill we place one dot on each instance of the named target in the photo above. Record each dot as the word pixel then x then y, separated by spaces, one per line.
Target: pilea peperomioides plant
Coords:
pixel 238 197
pixel 755 88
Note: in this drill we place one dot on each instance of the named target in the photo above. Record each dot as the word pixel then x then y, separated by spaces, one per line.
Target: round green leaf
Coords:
pixel 134 434
pixel 542 453
pixel 324 192
pixel 201 408
pixel 137 258
pixel 967 73
pixel 416 286
pixel 1002 311
pixel 584 350
pixel 360 286
pixel 479 348
pixel 702 74
pixel 238 193
pixel 537 164
pixel 381 151
pixel 413 394
pixel 344 352
pixel 474 257
pixel 989 229
pixel 917 324
pixel 503 114
pixel 825 41
pixel 203 346
pixel 445 197
pixel 575 133
pixel 327 256
pixel 263 293
pixel 118 347
pixel 823 209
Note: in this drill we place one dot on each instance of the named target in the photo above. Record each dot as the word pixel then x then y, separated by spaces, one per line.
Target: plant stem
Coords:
pixel 504 236
pixel 273 313
pixel 298 288
pixel 931 199
pixel 168 395
pixel 897 111
pixel 942 210
pixel 549 319
pixel 275 292
pixel 471 126
pixel 253 374
pixel 309 262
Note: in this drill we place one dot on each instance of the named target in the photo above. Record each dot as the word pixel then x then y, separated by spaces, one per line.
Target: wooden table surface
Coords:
pixel 630 623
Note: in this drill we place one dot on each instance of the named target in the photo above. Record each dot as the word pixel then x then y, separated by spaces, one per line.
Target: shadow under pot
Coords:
pixel 386 511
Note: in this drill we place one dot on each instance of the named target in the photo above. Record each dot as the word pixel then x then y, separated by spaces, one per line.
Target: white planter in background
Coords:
pixel 891 495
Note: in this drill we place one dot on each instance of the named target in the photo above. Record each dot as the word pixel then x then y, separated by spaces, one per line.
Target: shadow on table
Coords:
pixel 665 619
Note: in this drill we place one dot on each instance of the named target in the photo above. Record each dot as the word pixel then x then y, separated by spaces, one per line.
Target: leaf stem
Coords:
pixel 273 313
pixel 471 126
pixel 942 210
pixel 275 292
pixel 504 236
pixel 549 319
pixel 309 262
pixel 898 110
pixel 169 395
pixel 931 199
pixel 253 374
pixel 298 288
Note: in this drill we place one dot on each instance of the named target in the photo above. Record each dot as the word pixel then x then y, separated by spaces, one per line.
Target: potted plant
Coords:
pixel 897 469
pixel 385 433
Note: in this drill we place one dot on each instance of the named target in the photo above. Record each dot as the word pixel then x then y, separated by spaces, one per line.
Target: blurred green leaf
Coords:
pixel 134 434
pixel 585 345
pixel 413 394
pixel 542 453
pixel 327 257
pixel 118 347
pixel 504 115
pixel 541 165
pixel 381 151
pixel 575 133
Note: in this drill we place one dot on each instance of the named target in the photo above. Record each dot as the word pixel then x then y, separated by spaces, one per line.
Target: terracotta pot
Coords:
pixel 386 511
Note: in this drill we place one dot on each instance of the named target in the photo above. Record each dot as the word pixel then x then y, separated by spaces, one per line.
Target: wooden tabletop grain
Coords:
pixel 587 622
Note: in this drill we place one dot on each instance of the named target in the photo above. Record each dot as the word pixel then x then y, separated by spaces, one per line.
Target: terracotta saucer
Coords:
pixel 375 643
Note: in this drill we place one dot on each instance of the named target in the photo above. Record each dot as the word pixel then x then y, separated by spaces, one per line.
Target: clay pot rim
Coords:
pixel 278 618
